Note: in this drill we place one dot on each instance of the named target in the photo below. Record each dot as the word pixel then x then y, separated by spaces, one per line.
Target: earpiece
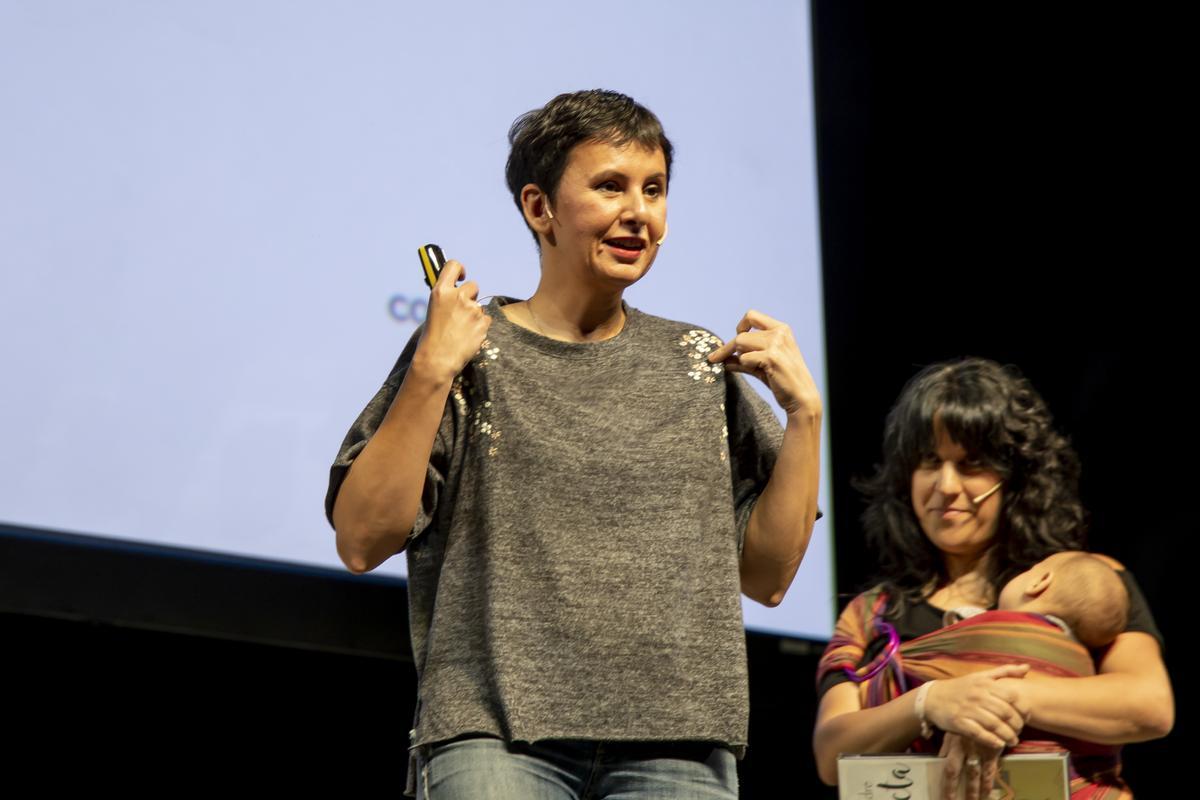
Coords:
pixel 987 494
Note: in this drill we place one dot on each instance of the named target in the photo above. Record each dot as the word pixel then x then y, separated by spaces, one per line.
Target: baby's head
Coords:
pixel 1081 589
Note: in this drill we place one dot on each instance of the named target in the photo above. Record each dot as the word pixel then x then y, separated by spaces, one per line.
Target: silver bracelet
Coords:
pixel 922 692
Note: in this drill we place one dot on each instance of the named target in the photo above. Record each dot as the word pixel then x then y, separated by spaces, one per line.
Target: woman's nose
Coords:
pixel 948 479
pixel 635 210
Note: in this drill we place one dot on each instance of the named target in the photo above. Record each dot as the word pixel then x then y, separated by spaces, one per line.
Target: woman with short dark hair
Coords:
pixel 976 487
pixel 582 490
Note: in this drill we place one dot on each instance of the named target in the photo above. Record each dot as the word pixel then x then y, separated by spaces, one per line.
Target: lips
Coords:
pixel 951 513
pixel 626 247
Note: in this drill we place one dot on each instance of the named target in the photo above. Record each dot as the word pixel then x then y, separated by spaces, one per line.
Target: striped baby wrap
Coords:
pixel 978 643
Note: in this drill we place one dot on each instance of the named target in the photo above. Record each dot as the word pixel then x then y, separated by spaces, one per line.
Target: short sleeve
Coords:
pixel 848 647
pixel 827 676
pixel 1140 620
pixel 755 436
pixel 364 428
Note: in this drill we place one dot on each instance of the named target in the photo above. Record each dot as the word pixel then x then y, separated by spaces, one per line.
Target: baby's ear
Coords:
pixel 1041 584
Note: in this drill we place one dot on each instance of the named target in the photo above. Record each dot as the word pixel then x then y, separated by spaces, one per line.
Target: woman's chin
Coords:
pixel 625 274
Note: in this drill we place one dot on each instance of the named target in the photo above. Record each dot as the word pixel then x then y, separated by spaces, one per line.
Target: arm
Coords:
pixel 1129 700
pixel 377 503
pixel 974 706
pixel 1130 697
pixel 844 726
pixel 781 523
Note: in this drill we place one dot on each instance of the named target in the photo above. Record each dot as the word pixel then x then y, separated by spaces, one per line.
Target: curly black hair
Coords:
pixel 994 413
pixel 541 140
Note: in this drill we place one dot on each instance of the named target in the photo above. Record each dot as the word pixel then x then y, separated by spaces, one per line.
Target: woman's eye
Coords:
pixel 654 190
pixel 609 186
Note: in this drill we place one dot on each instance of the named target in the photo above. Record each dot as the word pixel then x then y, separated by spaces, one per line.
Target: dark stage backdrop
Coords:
pixel 990 186
pixel 982 193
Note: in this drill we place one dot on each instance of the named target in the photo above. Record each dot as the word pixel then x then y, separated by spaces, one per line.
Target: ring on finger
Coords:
pixel 973 761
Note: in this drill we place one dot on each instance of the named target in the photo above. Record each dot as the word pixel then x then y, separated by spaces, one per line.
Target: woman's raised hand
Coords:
pixel 454 325
pixel 764 347
pixel 980 707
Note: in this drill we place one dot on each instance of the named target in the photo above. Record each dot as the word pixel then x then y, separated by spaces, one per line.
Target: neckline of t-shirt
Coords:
pixel 555 347
pixel 940 611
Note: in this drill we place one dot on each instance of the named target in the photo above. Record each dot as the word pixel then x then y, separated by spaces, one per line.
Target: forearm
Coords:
pixel 888 728
pixel 381 494
pixel 1112 708
pixel 983 706
pixel 781 524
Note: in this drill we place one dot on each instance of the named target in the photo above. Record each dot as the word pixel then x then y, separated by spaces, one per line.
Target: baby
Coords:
pixel 1076 590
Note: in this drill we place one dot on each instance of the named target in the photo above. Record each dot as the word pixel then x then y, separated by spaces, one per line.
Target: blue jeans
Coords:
pixel 491 769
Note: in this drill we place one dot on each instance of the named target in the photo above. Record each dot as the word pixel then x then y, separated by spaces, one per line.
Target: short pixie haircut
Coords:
pixel 541 140
pixel 994 413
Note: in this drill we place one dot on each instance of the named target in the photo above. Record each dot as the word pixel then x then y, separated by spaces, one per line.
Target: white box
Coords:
pixel 905 776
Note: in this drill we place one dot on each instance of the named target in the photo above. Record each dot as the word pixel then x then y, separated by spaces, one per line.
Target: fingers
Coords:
pixel 766 348
pixel 1007 671
pixel 952 751
pixel 993 722
pixel 987 778
pixel 754 361
pixel 752 341
pixel 753 333
pixel 735 364
pixel 978 732
pixel 1006 727
pixel 994 733
pixel 980 767
pixel 757 319
pixel 451 274
pixel 977 706
pixel 1014 710
pixel 455 324
pixel 446 287
pixel 723 352
pixel 738 349
pixel 1002 704
pixel 970 765
pixel 972 771
pixel 470 289
pixel 741 345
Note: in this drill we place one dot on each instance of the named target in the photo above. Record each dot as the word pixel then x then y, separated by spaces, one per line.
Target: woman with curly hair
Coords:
pixel 976 487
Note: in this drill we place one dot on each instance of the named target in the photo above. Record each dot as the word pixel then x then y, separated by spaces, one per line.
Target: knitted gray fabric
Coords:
pixel 574 566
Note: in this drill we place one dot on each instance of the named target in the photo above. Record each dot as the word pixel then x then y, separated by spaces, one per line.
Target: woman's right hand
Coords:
pixel 455 326
pixel 978 706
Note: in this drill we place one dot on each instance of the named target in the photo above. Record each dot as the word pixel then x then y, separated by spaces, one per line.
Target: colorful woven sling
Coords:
pixel 978 643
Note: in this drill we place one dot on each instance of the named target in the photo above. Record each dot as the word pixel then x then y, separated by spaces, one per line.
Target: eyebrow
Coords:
pixel 616 173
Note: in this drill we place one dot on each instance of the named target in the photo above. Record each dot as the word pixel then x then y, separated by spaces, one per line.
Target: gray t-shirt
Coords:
pixel 573 570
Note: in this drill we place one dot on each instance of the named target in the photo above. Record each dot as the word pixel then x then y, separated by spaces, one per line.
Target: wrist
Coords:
pixel 920 708
pixel 1027 696
pixel 431 371
pixel 805 413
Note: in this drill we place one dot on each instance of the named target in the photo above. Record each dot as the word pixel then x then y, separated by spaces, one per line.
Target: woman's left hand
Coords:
pixel 764 347
pixel 966 758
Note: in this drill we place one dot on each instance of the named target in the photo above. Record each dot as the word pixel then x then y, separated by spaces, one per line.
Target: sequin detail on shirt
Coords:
pixel 459 395
pixel 481 420
pixel 487 353
pixel 701 343
pixel 724 436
